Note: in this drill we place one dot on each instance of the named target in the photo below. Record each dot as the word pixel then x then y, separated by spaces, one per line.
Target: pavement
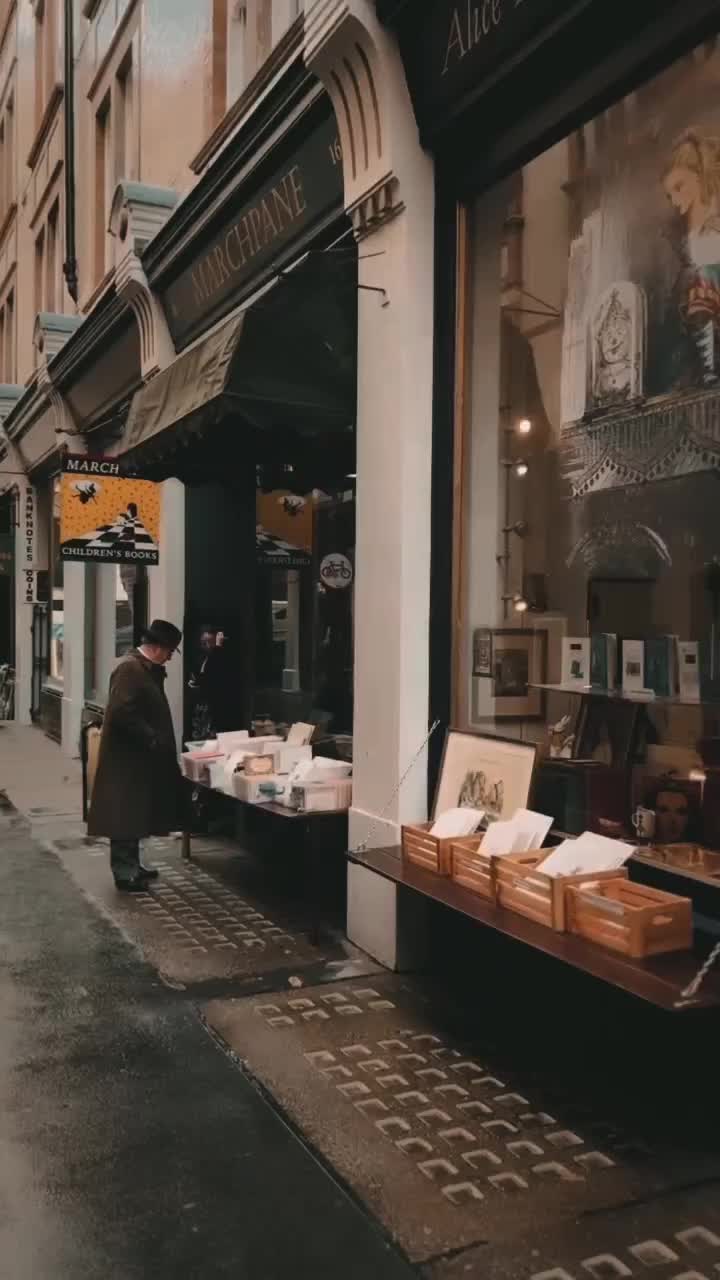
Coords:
pixel 191 1082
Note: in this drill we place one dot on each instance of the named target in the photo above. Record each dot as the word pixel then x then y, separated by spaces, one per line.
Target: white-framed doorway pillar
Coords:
pixel 389 195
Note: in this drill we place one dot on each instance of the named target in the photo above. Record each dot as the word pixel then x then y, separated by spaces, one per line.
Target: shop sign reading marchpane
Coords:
pixel 106 515
pixel 284 207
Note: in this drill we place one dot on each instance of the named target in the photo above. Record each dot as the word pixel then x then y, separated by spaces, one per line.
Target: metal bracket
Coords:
pixel 373 288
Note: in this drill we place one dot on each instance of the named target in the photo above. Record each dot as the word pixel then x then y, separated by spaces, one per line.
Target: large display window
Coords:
pixel 587 548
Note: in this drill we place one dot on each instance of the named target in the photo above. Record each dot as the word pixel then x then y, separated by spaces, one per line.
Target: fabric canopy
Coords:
pixel 287 361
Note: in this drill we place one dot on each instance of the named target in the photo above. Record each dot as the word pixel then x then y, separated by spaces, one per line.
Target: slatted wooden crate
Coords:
pixel 631 918
pixel 424 850
pixel 522 887
pixel 472 868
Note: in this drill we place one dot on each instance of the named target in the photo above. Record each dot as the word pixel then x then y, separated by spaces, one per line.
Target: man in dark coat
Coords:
pixel 137 790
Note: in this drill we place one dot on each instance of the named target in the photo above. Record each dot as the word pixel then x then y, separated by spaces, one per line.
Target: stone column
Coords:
pixel 167 587
pixel 389 195
pixel 74 639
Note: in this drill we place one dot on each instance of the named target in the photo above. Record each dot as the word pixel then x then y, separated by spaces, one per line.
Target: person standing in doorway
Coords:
pixel 138 787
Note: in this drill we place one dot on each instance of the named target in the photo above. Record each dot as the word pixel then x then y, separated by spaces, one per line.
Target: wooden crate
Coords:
pixel 631 918
pixel 472 868
pixel 521 886
pixel 427 851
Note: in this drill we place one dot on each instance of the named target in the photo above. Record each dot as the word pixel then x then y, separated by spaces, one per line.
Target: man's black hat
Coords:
pixel 162 633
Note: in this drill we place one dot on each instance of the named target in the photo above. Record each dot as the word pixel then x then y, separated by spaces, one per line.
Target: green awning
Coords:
pixel 288 361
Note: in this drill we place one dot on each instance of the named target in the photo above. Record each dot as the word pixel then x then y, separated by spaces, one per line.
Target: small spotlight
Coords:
pixel 520 604
pixel 521 467
pixel 524 427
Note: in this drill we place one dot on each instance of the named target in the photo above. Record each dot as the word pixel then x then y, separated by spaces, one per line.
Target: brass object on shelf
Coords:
pixel 684 857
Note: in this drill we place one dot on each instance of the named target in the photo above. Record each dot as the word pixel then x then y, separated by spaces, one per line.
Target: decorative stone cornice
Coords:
pixel 138 213
pixel 51 332
pixel 359 63
pixel 10 393
pixel 49 337
pixel 157 349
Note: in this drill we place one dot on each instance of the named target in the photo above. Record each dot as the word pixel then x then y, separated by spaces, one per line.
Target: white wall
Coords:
pixel 394 450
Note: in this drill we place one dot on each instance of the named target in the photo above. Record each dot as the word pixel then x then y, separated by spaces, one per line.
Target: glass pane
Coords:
pixel 128 593
pixel 591 548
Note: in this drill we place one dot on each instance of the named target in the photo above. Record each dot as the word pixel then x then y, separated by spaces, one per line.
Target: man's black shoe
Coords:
pixel 149 873
pixel 138 885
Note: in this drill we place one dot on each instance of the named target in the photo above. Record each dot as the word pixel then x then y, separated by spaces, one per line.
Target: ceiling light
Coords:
pixel 524 427
pixel 521 467
pixel 520 604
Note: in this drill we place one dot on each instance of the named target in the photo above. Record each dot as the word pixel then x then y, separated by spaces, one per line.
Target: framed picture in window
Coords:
pixel 518 660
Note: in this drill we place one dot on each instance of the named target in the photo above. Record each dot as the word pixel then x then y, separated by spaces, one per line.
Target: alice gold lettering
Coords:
pixel 455 41
pixel 481 18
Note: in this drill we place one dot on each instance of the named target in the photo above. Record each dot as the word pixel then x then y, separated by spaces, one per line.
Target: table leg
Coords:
pixel 313 862
pixel 186 846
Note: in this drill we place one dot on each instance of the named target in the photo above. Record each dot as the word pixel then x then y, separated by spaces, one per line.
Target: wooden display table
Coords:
pixel 310 826
pixel 659 981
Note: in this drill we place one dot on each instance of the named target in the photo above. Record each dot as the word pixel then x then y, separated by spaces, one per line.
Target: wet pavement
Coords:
pixel 191 1083
pixel 130 1144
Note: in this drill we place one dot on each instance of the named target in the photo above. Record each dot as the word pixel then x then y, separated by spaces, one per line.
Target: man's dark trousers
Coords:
pixel 125 860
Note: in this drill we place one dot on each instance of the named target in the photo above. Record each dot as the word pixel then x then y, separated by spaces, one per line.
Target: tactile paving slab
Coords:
pixel 192 923
pixel 447 1151
pixel 675 1237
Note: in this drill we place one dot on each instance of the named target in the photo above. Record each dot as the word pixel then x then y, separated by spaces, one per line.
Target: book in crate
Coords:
pixel 630 918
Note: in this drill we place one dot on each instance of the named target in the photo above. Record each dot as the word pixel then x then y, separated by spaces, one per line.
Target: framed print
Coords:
pixel 484 773
pixel 518 659
pixel 482 651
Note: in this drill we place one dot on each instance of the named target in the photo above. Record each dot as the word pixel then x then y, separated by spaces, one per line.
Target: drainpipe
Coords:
pixel 70 265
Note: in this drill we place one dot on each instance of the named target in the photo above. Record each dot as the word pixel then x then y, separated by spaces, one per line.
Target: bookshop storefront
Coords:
pixel 577 436
pixel 252 428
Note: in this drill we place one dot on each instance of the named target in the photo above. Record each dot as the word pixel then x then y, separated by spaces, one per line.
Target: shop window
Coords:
pixel 39 271
pixel 56 611
pixel 588 459
pixel 45 54
pixel 304 612
pixel 245 32
pixel 103 183
pixel 8 177
pixel 130 607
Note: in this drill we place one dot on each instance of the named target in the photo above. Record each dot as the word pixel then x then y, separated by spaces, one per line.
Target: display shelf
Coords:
pixel 659 981
pixel 619 695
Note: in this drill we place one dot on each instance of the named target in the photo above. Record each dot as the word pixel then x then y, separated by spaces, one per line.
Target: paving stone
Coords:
pixel 192 924
pixel 674 1237
pixel 448 1151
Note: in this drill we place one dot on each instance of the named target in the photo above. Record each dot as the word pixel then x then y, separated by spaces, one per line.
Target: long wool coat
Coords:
pixel 138 786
